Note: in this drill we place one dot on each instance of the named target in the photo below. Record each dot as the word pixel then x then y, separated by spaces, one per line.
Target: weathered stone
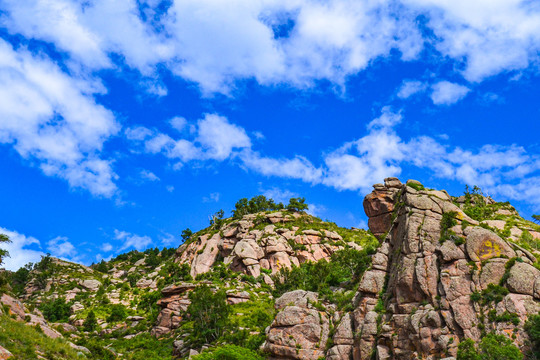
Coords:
pixel 299 298
pixel 522 278
pixel 91 284
pixel 5 354
pixel 297 331
pixel 483 244
pixel 492 272
pixel 372 281
pixel 15 307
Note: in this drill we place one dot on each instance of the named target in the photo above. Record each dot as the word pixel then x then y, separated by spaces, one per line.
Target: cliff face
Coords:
pixel 431 279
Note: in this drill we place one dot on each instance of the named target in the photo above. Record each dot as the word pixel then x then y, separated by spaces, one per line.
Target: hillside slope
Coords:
pixel 432 272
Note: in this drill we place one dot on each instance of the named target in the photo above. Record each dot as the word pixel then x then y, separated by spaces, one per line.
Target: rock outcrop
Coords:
pixel 259 241
pixel 417 299
pixel 300 330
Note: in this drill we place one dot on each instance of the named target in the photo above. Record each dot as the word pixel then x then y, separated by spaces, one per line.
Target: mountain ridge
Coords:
pixel 433 271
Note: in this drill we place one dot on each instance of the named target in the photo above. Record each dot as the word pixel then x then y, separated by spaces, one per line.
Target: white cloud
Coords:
pixel 170 188
pixel 218 137
pixel 296 168
pixel 316 210
pixel 106 247
pixel 447 93
pixel 279 195
pixel 61 247
pixel 213 138
pixel 178 122
pixel 487 36
pixel 411 87
pixel 213 197
pixel 132 240
pixel 20 250
pixel 297 42
pixel 169 239
pixel 149 176
pixel 51 119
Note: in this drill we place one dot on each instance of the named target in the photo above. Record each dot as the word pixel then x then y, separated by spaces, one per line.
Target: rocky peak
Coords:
pixel 259 242
pixel 421 297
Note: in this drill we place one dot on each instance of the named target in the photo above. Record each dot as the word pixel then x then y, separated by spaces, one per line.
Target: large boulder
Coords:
pixel 483 244
pixel 15 307
pixel 299 331
pixel 522 278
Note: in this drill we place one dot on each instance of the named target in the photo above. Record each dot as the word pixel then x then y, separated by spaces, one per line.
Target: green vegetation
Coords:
pixel 344 269
pixel 25 341
pixel 217 219
pixel 504 317
pixel 3 253
pixel 447 222
pixel 118 313
pixel 493 293
pixel 415 186
pixel 255 205
pixel 532 326
pixel 56 310
pixel 90 324
pixel 141 347
pixel 491 347
pixel 186 234
pixel 209 313
pixel 229 352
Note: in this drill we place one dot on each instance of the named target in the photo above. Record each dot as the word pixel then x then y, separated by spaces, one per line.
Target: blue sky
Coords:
pixel 122 123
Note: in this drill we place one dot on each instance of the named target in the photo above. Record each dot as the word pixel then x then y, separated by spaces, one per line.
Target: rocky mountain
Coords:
pixel 435 277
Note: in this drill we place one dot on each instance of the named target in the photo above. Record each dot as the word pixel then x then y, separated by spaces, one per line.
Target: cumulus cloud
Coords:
pixel 132 241
pixel 447 93
pixel 22 250
pixel 215 44
pixel 149 176
pixel 411 87
pixel 61 247
pixel 214 138
pixel 51 119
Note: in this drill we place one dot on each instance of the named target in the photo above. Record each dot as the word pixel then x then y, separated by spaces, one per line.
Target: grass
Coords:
pixel 27 342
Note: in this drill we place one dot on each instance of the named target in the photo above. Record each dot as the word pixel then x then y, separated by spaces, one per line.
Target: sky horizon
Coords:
pixel 123 123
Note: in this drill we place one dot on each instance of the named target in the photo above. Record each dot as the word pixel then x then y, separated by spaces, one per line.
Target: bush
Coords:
pixel 209 312
pixel 344 269
pixel 491 347
pixel 90 323
pixel 532 326
pixel 297 204
pixel 56 310
pixel 254 205
pixel 228 352
pixel 118 313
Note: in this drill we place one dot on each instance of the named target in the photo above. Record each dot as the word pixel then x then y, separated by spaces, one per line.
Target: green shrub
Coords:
pixel 448 221
pixel 254 205
pixel 209 312
pixel 532 326
pixel 228 352
pixel 118 313
pixel 344 269
pixel 90 323
pixel 492 347
pixel 56 310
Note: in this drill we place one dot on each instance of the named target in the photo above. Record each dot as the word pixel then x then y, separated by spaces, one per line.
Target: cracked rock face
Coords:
pixel 428 283
pixel 299 331
pixel 247 248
